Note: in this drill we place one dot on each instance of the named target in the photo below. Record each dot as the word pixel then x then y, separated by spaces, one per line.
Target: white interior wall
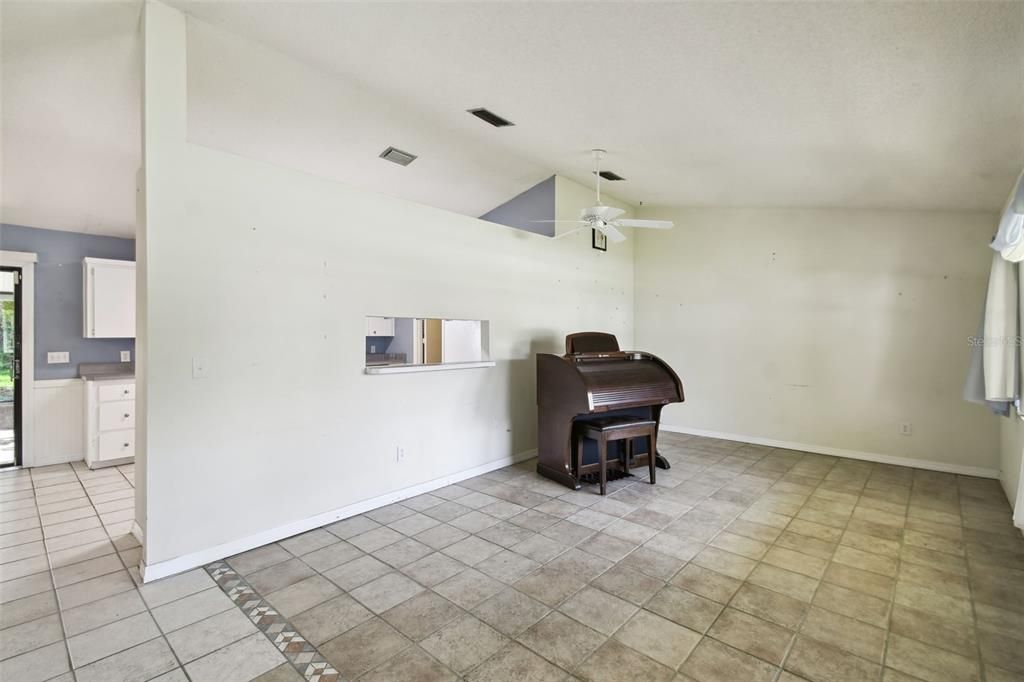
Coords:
pixel 822 329
pixel 266 274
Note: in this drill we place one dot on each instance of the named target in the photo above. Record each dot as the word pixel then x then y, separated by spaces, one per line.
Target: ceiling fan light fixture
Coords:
pixel 606 219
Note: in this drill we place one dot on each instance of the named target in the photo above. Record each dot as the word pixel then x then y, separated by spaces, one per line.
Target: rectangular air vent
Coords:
pixel 397 156
pixel 609 175
pixel 490 117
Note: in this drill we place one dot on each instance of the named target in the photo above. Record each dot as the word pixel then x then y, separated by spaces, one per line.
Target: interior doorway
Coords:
pixel 10 367
pixel 432 343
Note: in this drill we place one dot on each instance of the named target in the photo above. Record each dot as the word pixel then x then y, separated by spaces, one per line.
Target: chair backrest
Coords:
pixel 591 342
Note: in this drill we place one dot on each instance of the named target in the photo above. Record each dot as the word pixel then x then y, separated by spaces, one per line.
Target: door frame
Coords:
pixel 26 261
pixel 16 364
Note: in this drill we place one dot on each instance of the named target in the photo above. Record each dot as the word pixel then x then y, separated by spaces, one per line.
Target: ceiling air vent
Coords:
pixel 397 156
pixel 609 175
pixel 490 117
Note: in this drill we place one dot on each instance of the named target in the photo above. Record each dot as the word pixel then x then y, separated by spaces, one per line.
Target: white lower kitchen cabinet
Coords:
pixel 109 422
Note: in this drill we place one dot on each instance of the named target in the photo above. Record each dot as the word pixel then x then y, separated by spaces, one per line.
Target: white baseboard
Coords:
pixel 929 464
pixel 186 562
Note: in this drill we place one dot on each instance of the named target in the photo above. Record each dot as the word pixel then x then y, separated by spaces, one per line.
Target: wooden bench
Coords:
pixel 610 430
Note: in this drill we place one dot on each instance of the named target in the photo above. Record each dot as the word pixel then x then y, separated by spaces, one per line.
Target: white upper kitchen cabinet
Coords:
pixel 109 305
pixel 380 326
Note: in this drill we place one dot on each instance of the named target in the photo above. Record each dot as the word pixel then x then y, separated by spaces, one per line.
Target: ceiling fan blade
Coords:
pixel 605 213
pixel 569 232
pixel 567 222
pixel 610 232
pixel 656 224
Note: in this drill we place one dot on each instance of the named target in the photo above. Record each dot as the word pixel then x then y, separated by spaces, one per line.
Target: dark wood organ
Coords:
pixel 600 381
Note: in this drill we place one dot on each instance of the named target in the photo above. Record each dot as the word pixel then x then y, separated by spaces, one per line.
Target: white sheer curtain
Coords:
pixel 1009 239
pixel 998 355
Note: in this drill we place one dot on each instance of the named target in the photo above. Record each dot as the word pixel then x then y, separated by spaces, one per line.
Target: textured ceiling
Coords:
pixel 916 105
pixel 71 95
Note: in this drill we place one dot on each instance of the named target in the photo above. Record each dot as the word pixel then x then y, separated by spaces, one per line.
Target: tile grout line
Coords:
pixel 550 609
pixel 464 612
pixel 895 582
pixel 555 608
pixel 53 582
pixel 721 456
pixel 304 657
pixel 642 606
pixel 135 586
pixel 982 668
pixel 703 469
pixel 891 600
pixel 468 612
pixel 803 619
pixel 779 667
pixel 725 606
pixel 708 544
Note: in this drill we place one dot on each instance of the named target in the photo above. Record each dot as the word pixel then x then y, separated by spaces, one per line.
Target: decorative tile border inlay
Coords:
pixel 310 663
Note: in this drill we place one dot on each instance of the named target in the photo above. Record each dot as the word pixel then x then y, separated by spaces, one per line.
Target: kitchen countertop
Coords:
pixel 382 359
pixel 98 371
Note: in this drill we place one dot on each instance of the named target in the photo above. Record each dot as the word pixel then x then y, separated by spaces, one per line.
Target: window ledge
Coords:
pixel 441 367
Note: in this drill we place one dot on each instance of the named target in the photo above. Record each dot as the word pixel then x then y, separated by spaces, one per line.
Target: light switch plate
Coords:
pixel 126 356
pixel 58 358
pixel 198 368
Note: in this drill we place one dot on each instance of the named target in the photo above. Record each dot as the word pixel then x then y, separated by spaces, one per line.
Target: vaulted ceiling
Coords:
pixel 876 105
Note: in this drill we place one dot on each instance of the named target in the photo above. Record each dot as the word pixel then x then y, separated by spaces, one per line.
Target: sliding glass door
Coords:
pixel 10 367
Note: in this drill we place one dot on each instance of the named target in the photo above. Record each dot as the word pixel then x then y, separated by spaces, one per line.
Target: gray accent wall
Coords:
pixel 58 299
pixel 402 343
pixel 536 203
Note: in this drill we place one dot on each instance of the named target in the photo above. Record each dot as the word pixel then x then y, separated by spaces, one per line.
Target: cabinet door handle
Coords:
pixel 126 444
pixel 126 415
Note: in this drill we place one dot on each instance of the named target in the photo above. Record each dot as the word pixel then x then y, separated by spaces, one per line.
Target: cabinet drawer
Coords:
pixel 117 444
pixel 116 392
pixel 117 415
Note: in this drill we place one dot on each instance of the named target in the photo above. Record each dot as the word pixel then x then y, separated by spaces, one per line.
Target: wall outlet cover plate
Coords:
pixel 126 356
pixel 58 358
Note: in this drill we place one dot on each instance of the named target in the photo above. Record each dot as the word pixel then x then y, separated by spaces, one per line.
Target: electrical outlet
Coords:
pixel 198 368
pixel 373 349
pixel 58 358
pixel 126 356
pixel 400 454
pixel 906 429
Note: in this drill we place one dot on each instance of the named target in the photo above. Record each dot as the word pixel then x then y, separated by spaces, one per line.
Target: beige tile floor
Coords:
pixel 6 447
pixel 742 563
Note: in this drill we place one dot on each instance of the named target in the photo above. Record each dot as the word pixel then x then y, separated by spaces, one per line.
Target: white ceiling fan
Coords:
pixel 605 219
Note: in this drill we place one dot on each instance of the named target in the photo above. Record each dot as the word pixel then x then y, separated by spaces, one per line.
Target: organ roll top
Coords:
pixel 636 379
